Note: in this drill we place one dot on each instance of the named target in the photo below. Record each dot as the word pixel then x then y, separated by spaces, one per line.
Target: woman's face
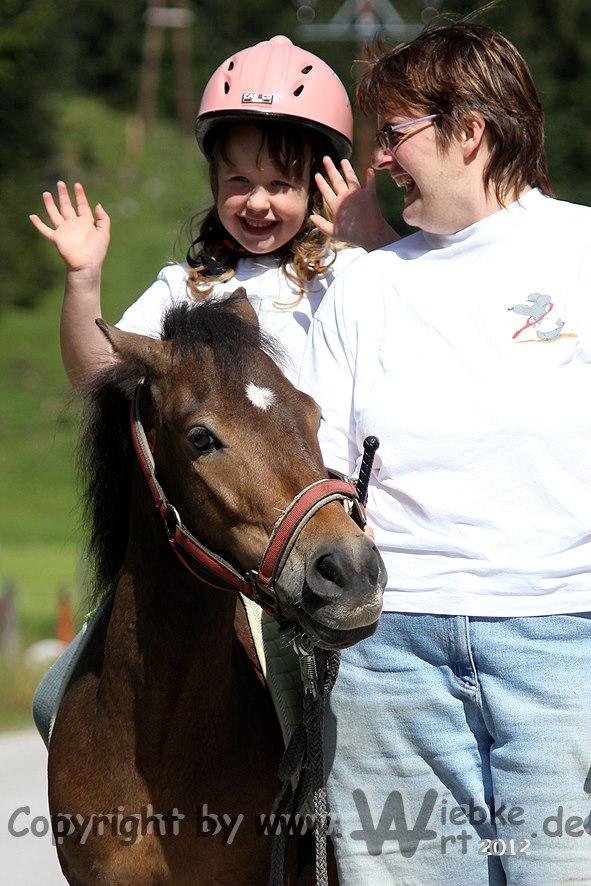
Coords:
pixel 439 187
pixel 261 207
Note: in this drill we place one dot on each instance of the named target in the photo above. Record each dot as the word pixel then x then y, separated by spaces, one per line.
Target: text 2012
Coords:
pixel 504 847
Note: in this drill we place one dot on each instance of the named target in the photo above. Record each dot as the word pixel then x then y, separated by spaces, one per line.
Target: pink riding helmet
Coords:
pixel 281 82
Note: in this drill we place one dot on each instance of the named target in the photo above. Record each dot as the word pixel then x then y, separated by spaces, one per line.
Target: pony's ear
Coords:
pixel 242 306
pixel 149 354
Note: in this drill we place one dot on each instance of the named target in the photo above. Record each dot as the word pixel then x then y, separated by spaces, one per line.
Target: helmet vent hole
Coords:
pixel 299 90
pixel 231 66
pixel 226 87
pixel 307 69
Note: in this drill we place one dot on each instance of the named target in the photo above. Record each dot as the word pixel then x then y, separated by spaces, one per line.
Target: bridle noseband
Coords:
pixel 208 566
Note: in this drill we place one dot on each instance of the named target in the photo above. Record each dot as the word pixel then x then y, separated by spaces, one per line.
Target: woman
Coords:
pixel 459 741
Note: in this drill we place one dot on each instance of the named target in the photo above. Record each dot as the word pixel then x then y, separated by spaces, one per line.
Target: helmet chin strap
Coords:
pixel 213 267
pixel 235 246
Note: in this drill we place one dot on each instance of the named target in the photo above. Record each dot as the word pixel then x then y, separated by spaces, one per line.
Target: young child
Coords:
pixel 272 117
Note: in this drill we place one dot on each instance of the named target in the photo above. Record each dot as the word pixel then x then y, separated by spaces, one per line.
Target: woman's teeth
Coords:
pixel 404 181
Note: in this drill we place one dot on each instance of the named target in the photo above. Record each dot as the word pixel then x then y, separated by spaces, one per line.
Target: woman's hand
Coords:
pixel 355 211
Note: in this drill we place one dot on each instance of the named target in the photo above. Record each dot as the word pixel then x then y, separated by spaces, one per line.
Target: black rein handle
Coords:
pixel 370 447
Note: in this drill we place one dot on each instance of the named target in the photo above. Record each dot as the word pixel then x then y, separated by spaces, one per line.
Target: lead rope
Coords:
pixel 305 753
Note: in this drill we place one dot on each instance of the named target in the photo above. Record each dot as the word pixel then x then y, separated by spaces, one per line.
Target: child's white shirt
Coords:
pixel 270 292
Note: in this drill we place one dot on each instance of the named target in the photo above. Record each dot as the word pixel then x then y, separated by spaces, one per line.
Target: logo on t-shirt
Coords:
pixel 540 319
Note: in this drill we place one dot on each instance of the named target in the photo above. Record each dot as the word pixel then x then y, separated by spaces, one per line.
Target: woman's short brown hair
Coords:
pixel 454 71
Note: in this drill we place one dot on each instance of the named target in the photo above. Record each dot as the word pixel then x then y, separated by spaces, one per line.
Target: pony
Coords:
pixel 202 478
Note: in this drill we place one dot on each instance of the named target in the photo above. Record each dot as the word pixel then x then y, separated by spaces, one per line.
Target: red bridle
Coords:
pixel 208 566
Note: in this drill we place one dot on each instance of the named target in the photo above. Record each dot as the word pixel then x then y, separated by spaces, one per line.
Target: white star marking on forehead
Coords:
pixel 263 398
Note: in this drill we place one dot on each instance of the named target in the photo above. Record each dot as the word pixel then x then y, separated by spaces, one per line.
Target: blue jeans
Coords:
pixel 458 753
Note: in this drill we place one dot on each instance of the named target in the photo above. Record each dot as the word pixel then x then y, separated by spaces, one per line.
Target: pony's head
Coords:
pixel 233 442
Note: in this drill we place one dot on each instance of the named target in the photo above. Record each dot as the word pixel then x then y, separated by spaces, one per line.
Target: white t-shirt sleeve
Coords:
pixel 145 315
pixel 327 374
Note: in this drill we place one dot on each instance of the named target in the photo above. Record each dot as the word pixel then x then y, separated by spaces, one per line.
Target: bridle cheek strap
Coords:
pixel 208 566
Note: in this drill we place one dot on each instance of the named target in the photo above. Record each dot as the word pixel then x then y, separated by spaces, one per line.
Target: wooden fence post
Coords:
pixel 10 636
pixel 65 616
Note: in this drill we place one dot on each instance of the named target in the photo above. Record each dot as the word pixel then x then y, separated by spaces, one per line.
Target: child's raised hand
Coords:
pixel 355 210
pixel 80 237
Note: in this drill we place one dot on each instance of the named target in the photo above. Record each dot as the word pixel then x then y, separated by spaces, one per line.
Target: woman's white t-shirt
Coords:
pixel 469 356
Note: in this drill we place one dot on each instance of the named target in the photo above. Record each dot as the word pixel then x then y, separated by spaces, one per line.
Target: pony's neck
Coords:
pixel 178 653
pixel 178 679
pixel 179 619
pixel 174 637
pixel 178 623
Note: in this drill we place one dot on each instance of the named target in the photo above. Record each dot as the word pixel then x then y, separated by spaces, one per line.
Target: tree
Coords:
pixel 26 144
pixel 101 48
pixel 102 42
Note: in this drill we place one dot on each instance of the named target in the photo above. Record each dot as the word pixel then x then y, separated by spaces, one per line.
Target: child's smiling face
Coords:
pixel 257 203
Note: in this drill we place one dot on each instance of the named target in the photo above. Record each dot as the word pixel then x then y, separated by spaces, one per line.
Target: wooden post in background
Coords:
pixel 359 22
pixel 64 629
pixel 178 19
pixel 10 636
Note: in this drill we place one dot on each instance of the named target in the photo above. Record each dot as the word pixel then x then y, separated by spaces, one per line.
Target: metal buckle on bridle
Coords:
pixel 304 649
pixel 258 592
pixel 172 520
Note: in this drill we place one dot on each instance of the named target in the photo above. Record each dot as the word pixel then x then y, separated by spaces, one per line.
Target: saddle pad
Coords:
pixel 53 686
pixel 280 666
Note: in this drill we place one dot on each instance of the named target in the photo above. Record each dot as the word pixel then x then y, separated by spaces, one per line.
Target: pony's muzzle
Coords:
pixel 344 584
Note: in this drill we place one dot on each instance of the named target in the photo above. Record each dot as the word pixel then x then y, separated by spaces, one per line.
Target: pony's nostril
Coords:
pixel 328 569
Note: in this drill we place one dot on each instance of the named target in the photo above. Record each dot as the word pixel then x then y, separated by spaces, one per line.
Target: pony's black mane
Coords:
pixel 106 452
pixel 216 323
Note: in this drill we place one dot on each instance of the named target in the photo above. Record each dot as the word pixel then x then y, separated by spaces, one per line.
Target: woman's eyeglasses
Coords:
pixel 391 135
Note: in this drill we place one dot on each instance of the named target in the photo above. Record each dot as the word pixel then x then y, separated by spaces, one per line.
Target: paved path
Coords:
pixel 25 860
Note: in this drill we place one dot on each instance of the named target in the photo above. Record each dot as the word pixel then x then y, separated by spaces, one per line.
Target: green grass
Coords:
pixel 148 198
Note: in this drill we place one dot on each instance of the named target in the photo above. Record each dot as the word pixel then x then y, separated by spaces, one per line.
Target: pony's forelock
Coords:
pixel 216 323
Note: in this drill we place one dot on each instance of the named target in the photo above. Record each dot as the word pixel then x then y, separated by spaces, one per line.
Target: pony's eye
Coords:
pixel 201 440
